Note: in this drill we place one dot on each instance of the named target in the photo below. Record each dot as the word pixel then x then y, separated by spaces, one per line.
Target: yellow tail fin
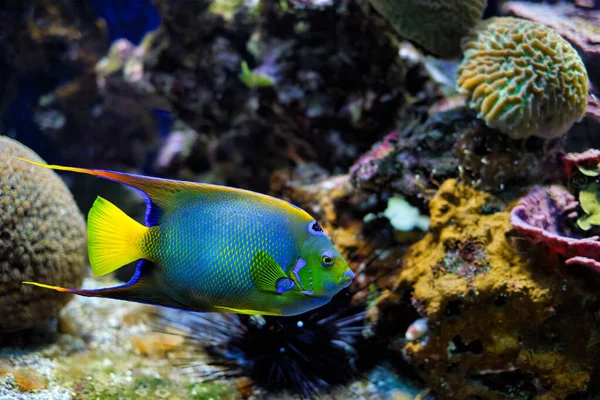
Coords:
pixel 114 238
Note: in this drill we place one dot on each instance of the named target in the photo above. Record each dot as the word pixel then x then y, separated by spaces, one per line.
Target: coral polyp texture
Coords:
pixel 498 325
pixel 523 78
pixel 436 25
pixel 579 25
pixel 42 237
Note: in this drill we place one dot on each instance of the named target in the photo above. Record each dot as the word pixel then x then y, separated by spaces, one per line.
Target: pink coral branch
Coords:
pixel 585 261
pixel 366 166
pixel 590 158
pixel 541 218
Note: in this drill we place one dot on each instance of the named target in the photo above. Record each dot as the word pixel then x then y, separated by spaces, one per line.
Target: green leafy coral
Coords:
pixel 436 25
pixel 589 199
pixel 523 78
pixel 254 79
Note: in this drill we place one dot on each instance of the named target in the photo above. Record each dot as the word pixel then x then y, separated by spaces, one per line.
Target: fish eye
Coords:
pixel 315 229
pixel 327 259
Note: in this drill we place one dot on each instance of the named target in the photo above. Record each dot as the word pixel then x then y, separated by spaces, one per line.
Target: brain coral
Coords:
pixel 436 25
pixel 42 238
pixel 523 78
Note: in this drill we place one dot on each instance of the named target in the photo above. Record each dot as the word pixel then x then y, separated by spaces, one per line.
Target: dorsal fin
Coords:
pixel 159 192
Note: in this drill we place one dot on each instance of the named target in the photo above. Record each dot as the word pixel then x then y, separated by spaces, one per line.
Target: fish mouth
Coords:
pixel 347 278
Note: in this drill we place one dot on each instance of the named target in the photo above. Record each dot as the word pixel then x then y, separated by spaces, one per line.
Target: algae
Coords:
pixel 589 201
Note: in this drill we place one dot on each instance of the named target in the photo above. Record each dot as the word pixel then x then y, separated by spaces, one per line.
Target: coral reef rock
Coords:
pixel 436 25
pixel 265 86
pixel 78 115
pixel 42 238
pixel 414 159
pixel 499 324
pixel 523 78
pixel 48 42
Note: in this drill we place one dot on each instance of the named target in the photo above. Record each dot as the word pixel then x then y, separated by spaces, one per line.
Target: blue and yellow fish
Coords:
pixel 211 248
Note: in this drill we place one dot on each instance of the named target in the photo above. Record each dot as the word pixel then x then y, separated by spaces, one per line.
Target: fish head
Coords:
pixel 320 271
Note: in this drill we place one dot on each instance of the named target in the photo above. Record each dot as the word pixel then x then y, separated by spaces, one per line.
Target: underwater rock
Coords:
pixel 594 4
pixel 365 168
pixel 61 36
pixel 48 42
pixel 106 94
pixel 500 325
pixel 583 135
pixel 156 344
pixel 42 237
pixel 78 115
pixel 522 78
pixel 313 109
pixel 577 25
pixel 436 25
pixel 414 159
pixel 176 150
pixel 10 20
pixel 26 379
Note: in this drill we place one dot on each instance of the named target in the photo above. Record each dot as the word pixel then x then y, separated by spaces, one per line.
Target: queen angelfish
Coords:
pixel 211 248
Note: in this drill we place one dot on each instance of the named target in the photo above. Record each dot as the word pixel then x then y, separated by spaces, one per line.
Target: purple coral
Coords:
pixel 541 217
pixel 589 158
pixel 366 166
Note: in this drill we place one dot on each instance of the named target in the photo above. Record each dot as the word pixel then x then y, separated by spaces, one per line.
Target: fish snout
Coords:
pixel 347 278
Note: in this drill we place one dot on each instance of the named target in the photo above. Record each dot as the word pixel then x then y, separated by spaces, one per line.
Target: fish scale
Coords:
pixel 218 277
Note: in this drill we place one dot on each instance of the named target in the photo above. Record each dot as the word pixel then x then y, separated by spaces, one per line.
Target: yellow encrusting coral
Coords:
pixel 437 25
pixel 523 78
pixel 490 308
pixel 42 237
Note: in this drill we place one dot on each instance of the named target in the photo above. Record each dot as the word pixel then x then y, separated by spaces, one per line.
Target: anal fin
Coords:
pixel 141 288
pixel 246 311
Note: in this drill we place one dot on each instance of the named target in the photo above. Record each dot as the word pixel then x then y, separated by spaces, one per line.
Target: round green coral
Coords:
pixel 42 238
pixel 437 26
pixel 523 78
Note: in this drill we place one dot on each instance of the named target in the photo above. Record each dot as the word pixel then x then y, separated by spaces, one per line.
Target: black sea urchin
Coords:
pixel 306 354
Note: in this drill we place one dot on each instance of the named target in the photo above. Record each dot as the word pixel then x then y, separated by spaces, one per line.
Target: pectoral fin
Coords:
pixel 268 276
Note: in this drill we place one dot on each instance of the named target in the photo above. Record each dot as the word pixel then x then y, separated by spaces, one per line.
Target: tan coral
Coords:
pixel 523 78
pixel 437 25
pixel 42 238
pixel 494 318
